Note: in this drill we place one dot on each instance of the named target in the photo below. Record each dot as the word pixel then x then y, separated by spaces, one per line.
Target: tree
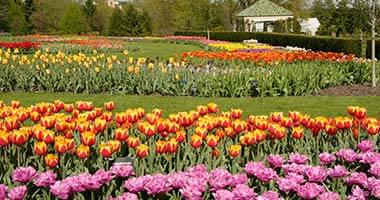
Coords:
pixel 161 13
pixel 89 10
pixel 100 20
pixel 29 9
pixel 4 8
pixel 73 21
pixel 116 27
pixel 47 15
pixel 16 18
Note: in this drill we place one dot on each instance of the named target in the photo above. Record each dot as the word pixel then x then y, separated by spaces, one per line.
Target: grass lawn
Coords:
pixel 328 106
pixel 162 50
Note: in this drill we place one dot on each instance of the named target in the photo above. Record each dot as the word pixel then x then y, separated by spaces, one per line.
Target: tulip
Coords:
pixel 230 132
pixel 121 134
pixel 142 151
pixel 261 124
pixel 212 140
pixel 120 118
pixel 287 122
pixel 4 138
pixel 215 152
pixel 60 126
pixel 276 116
pixel 239 125
pixel 172 145
pixel 132 116
pixel 133 142
pixel 200 131
pixel 51 160
pixel 11 123
pixel 202 110
pixel 82 151
pixel 352 110
pixel 212 108
pixel 35 116
pixel 15 104
pixel 152 118
pixel 373 129
pixel 295 116
pixel 331 130
pixel 162 125
pixel 106 116
pixel 40 148
pixel 115 144
pixel 234 150
pixel 360 113
pixel 196 141
pixel 105 150
pixel 82 126
pixel 100 125
pixel 88 138
pixel 355 133
pixel 110 106
pixel 48 122
pixel 60 146
pixel 236 113
pixel 297 133
pixel 172 127
pixel 48 136
pixel 180 136
pixel 19 137
pixel 249 138
pixel 161 146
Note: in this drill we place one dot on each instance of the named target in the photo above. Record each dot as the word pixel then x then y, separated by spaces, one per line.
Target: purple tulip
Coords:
pixel 287 185
pixel 299 179
pixel 104 176
pixel 157 184
pixel 266 175
pixel 298 158
pixel 269 195
pixel 366 146
pixel 126 196
pixel 252 167
pixel 136 185
pixel 223 195
pixel 294 168
pixel 372 183
pixel 75 183
pixel 329 196
pixel 309 190
pixel 191 193
pixel 23 174
pixel 326 158
pixel 123 171
pixel 243 192
pixel 316 174
pixel 347 155
pixel 369 157
pixel 177 180
pixel 275 161
pixel 358 194
pixel 376 192
pixel 375 169
pixel 3 191
pixel 45 179
pixel 220 178
pixel 357 178
pixel 60 189
pixel 338 171
pixel 18 193
pixel 239 179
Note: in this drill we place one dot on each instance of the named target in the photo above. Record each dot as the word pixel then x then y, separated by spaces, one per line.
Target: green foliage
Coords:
pixel 341 45
pixel 16 18
pixel 4 25
pixel 130 22
pixel 28 10
pixel 377 49
pixel 73 21
pixel 47 15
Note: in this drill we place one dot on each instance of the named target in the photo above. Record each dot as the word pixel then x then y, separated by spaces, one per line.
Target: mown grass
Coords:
pixel 327 106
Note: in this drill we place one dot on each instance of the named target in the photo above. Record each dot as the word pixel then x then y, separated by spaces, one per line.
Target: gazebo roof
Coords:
pixel 264 8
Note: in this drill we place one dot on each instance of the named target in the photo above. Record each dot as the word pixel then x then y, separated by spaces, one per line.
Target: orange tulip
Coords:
pixel 120 118
pixel 35 116
pixel 202 110
pixel 161 146
pixel 110 106
pixel 287 122
pixel 142 151
pixel 132 116
pixel 215 152
pixel 234 150
pixel 51 160
pixel 69 108
pixel 48 122
pixel 82 151
pixel 48 136
pixel 60 126
pixel 297 133
pixel 373 129
pixel 19 137
pixel 202 132
pixel 212 108
pixel 15 104
pixel 100 125
pixel 276 116
pixel 11 123
pixel 196 141
pixel 106 116
pixel 212 141
pixel 236 113
pixel 352 110
pixel 88 138
pixel 152 118
pixel 157 112
pixel 172 145
pixel 133 142
pixel 355 133
pixel 115 144
pixel 40 148
pixel 4 138
pixel 295 116
pixel 105 150
pixel 261 124
pixel 162 125
pixel 60 146
pixel 172 127
pixel 148 129
pixel 180 136
pixel 121 134
pixel 239 125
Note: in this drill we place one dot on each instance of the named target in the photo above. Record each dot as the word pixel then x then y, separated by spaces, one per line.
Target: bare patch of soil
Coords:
pixel 350 90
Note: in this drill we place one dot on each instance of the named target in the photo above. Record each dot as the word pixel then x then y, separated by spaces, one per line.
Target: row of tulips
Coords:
pixel 271 57
pixel 81 136
pixel 345 174
pixel 98 72
pixel 19 46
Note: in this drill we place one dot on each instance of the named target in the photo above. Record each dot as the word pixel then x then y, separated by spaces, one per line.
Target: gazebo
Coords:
pixel 260 16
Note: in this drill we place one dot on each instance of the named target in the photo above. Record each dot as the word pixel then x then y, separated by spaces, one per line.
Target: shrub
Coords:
pixel 73 21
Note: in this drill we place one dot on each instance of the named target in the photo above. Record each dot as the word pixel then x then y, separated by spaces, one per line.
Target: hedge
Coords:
pixel 315 43
pixel 369 49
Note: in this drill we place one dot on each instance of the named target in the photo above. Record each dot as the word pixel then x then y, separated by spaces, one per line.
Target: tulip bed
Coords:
pixel 97 73
pixel 220 153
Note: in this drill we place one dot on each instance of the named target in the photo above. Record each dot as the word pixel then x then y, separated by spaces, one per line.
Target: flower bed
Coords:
pixel 20 46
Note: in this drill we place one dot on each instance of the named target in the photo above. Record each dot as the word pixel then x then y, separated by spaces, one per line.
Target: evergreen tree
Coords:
pixel 4 8
pixel 73 21
pixel 116 27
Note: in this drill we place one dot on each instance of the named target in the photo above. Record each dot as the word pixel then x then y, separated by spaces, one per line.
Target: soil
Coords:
pixel 350 90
